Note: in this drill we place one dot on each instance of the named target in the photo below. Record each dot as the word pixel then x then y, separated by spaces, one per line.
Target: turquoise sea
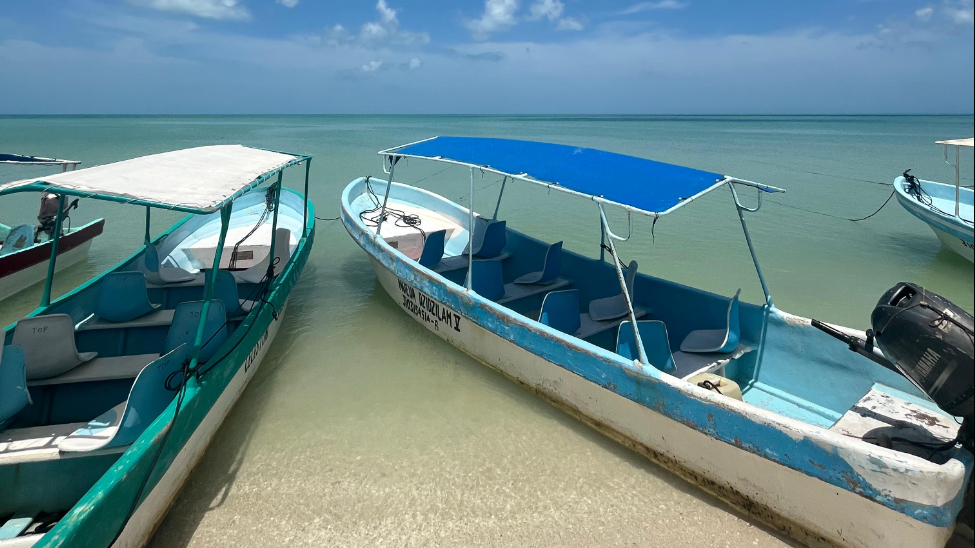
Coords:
pixel 364 429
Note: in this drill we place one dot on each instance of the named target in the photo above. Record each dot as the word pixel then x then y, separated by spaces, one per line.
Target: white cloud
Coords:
pixel 372 66
pixel 499 15
pixel 288 3
pixel 570 23
pixel 924 14
pixel 387 29
pixel 209 9
pixel 649 6
pixel 960 13
pixel 415 63
pixel 551 9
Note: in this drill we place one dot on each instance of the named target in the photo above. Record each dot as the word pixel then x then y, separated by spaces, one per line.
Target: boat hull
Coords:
pixel 810 510
pixel 817 486
pixel 27 267
pixel 146 519
pixel 953 233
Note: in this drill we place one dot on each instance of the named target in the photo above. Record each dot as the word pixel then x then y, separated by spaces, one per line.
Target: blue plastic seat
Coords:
pixel 123 297
pixel 487 279
pixel 560 310
pixel 656 344
pixel 433 249
pixel 19 237
pixel 13 383
pixel 153 389
pixel 494 240
pixel 550 267
pixel 716 340
pixel 611 308
pixel 186 319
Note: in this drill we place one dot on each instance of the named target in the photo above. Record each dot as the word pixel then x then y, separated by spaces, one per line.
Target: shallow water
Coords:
pixel 362 428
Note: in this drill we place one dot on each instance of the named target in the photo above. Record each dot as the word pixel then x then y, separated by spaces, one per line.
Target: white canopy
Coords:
pixel 196 180
pixel 958 142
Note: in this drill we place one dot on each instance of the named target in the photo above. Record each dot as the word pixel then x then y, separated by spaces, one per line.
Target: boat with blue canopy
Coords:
pixel 760 407
pixel 110 394
pixel 25 249
pixel 947 209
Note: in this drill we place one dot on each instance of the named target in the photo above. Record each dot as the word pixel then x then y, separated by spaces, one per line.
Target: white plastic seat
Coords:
pixel 49 346
pixel 716 340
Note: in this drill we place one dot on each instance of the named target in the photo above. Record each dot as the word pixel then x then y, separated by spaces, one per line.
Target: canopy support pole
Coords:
pixel 498 206
pixel 470 236
pixel 148 217
pixel 276 188
pixel 304 216
pixel 602 241
pixel 46 297
pixel 389 184
pixel 208 292
pixel 622 280
pixel 748 239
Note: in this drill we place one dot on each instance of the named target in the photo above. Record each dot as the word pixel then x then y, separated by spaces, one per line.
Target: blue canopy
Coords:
pixel 648 186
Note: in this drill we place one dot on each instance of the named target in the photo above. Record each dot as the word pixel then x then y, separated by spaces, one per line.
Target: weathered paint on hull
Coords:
pixel 953 233
pixel 790 501
pixel 957 245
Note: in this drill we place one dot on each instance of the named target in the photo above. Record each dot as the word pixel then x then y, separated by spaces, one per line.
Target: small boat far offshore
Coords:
pixel 762 408
pixel 110 394
pixel 947 209
pixel 25 250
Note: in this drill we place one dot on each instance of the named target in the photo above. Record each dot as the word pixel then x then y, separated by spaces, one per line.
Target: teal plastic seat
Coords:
pixel 153 389
pixel 19 237
pixel 158 274
pixel 433 249
pixel 716 340
pixel 487 279
pixel 551 267
pixel 656 344
pixel 186 319
pixel 225 289
pixel 13 384
pixel 495 238
pixel 560 310
pixel 123 297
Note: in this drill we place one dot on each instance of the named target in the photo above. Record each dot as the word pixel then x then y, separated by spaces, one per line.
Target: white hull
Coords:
pixel 809 509
pixel 955 244
pixel 151 512
pixel 22 279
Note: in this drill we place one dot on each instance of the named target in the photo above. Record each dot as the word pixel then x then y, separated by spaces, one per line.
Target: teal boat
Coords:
pixel 110 394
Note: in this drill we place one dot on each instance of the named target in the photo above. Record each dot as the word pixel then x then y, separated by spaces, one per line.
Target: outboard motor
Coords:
pixel 48 214
pixel 929 340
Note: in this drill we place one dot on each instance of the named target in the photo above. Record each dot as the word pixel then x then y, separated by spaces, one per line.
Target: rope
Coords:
pixel 401 218
pixel 268 208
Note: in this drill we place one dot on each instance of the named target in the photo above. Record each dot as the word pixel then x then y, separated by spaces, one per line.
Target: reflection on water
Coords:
pixel 362 428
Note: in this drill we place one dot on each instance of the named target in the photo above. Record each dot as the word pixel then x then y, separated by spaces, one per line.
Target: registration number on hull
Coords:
pixel 426 309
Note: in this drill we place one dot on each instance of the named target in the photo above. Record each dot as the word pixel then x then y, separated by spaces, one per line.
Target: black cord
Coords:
pixel 917 192
pixel 401 218
pixel 268 208
pixel 326 219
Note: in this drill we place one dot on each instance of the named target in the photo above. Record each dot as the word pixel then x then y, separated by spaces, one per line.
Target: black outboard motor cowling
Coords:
pixel 930 341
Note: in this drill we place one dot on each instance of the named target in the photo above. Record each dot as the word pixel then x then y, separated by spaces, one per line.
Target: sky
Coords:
pixel 486 56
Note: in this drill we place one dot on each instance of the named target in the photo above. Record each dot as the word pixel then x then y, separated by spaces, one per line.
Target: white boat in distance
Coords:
pixel 755 405
pixel 947 209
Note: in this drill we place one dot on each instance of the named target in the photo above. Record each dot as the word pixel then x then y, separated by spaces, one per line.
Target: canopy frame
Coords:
pixel 957 144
